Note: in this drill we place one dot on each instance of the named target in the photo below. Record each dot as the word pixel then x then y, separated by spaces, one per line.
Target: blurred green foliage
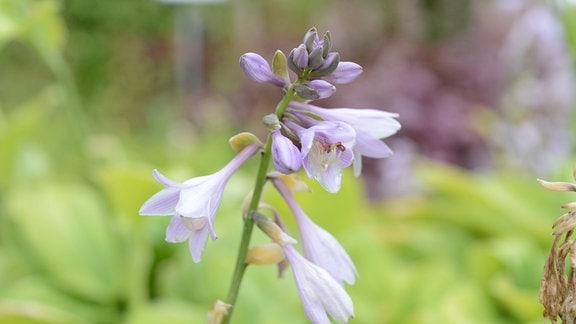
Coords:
pixel 468 248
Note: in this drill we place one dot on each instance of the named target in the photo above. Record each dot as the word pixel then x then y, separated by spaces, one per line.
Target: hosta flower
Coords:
pixel 257 69
pixel 320 247
pixel 285 154
pixel 193 204
pixel 371 126
pixel 326 150
pixel 320 294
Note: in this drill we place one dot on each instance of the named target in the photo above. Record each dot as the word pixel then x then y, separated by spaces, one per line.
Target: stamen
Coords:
pixel 340 147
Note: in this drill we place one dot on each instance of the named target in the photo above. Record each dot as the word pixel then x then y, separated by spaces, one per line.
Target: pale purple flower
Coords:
pixel 256 68
pixel 326 150
pixel 193 204
pixel 371 125
pixel 320 247
pixel 320 294
pixel 285 154
pixel 345 72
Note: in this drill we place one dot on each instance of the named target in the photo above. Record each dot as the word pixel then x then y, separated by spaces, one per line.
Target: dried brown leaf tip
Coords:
pixel 558 285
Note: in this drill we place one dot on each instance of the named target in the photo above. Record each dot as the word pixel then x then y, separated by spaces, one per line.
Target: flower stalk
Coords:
pixel 261 178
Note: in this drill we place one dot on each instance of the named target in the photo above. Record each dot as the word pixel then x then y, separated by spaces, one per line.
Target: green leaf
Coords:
pixel 64 232
pixel 49 304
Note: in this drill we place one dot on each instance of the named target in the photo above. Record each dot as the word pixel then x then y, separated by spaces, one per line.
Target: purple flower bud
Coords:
pixel 305 92
pixel 326 44
pixel 322 88
pixel 285 154
pixel 311 39
pixel 329 65
pixel 345 72
pixel 257 69
pixel 315 58
pixel 299 57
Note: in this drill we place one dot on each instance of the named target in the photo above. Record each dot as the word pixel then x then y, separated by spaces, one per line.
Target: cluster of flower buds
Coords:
pixel 313 57
pixel 317 69
pixel 302 136
pixel 322 141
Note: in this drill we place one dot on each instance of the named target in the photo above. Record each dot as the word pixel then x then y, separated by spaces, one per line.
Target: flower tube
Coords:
pixel 320 247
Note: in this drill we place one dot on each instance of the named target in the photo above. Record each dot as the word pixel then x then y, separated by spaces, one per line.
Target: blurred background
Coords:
pixel 452 229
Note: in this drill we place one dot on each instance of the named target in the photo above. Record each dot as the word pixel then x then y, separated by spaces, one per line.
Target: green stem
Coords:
pixel 261 178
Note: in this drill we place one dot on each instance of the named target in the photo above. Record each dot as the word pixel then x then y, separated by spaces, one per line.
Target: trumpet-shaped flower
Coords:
pixel 320 294
pixel 326 150
pixel 285 154
pixel 371 125
pixel 193 204
pixel 320 247
pixel 257 69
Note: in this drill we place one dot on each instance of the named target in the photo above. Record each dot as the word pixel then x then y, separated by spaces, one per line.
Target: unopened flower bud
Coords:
pixel 322 88
pixel 309 38
pixel 217 312
pixel 285 155
pixel 271 122
pixel 315 58
pixel 256 68
pixel 265 254
pixel 306 93
pixel 558 186
pixel 328 66
pixel 240 141
pixel 299 58
pixel 326 44
pixel 345 72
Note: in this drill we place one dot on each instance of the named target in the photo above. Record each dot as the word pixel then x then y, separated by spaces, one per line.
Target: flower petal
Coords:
pixel 319 292
pixel 357 166
pixel 376 123
pixel 196 194
pixel 176 231
pixel 330 179
pixel 198 243
pixel 162 203
pixel 322 249
pixel 164 180
pixel 372 147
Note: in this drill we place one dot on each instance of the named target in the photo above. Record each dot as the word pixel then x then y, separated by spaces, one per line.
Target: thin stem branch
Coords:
pixel 261 176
